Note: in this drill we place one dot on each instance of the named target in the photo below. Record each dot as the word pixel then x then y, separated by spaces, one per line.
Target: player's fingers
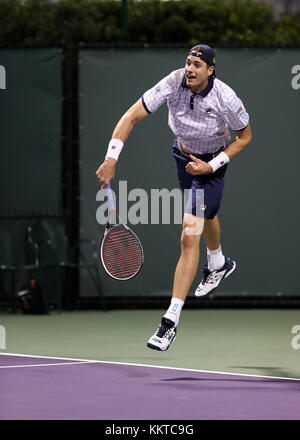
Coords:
pixel 105 182
pixel 191 166
pixel 191 171
pixel 195 159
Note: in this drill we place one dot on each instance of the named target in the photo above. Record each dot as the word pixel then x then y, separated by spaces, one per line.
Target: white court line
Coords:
pixel 46 365
pixel 150 366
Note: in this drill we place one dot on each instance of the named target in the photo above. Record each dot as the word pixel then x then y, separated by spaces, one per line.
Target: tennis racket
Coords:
pixel 121 251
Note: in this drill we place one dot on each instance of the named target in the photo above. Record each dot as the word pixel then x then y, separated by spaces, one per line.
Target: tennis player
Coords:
pixel 202 108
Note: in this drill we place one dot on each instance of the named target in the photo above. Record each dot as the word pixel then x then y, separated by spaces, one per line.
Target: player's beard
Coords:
pixel 197 88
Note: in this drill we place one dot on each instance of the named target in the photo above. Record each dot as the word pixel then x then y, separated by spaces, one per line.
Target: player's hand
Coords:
pixel 198 166
pixel 106 172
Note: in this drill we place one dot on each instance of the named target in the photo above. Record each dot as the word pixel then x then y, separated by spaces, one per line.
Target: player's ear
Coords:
pixel 210 70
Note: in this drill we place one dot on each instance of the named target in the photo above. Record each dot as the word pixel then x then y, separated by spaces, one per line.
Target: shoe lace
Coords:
pixel 209 277
pixel 206 273
pixel 163 331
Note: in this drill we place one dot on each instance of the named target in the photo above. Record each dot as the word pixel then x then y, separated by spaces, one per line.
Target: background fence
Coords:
pixel 40 155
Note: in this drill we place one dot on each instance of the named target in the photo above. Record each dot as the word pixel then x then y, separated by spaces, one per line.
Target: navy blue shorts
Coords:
pixel 212 184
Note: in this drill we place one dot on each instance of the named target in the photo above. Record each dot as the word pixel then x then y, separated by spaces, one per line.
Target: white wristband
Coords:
pixel 218 161
pixel 114 148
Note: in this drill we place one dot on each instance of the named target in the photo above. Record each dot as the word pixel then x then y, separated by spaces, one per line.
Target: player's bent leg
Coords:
pixel 219 267
pixel 212 279
pixel 184 275
pixel 212 233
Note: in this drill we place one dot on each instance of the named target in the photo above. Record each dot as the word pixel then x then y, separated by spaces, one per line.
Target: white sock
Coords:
pixel 174 310
pixel 215 259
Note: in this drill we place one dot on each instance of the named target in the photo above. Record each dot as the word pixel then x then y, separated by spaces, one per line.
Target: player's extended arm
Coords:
pixel 241 141
pixel 136 113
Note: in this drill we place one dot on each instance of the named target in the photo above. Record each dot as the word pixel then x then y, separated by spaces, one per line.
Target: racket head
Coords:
pixel 121 252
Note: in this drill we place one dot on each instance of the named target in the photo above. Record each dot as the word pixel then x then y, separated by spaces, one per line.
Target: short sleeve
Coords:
pixel 235 114
pixel 157 95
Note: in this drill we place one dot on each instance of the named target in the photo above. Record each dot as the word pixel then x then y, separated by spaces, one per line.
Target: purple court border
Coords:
pixel 48 388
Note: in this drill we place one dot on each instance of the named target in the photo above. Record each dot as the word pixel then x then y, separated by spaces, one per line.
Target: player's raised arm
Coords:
pixel 106 171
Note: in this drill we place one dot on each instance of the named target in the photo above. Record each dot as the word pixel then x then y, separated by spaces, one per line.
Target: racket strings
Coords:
pixel 122 253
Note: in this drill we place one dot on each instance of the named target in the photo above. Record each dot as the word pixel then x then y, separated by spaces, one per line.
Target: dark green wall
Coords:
pixel 260 213
pixel 30 130
pixel 30 147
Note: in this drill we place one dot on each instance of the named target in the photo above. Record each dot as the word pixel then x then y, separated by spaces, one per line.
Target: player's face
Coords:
pixel 197 73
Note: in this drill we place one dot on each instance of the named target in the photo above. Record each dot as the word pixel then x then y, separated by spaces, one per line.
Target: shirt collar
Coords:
pixel 205 91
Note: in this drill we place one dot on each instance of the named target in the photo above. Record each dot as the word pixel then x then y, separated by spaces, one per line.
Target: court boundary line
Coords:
pixel 47 365
pixel 92 361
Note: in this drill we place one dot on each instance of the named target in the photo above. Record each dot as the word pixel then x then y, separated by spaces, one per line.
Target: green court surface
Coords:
pixel 255 342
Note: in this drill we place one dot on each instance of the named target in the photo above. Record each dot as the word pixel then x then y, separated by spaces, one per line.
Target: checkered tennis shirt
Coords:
pixel 201 121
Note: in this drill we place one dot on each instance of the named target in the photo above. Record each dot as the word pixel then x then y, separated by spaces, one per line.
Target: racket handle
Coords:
pixel 110 200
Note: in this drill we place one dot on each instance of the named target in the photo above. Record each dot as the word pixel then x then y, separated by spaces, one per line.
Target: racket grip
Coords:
pixel 110 200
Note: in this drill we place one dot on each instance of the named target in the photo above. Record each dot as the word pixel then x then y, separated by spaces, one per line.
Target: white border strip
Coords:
pixel 148 366
pixel 46 365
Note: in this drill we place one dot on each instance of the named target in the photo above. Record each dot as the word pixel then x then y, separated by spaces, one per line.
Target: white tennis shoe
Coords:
pixel 211 279
pixel 164 335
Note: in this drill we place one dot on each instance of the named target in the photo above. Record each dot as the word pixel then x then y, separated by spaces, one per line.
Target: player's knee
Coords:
pixel 192 230
pixel 189 241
